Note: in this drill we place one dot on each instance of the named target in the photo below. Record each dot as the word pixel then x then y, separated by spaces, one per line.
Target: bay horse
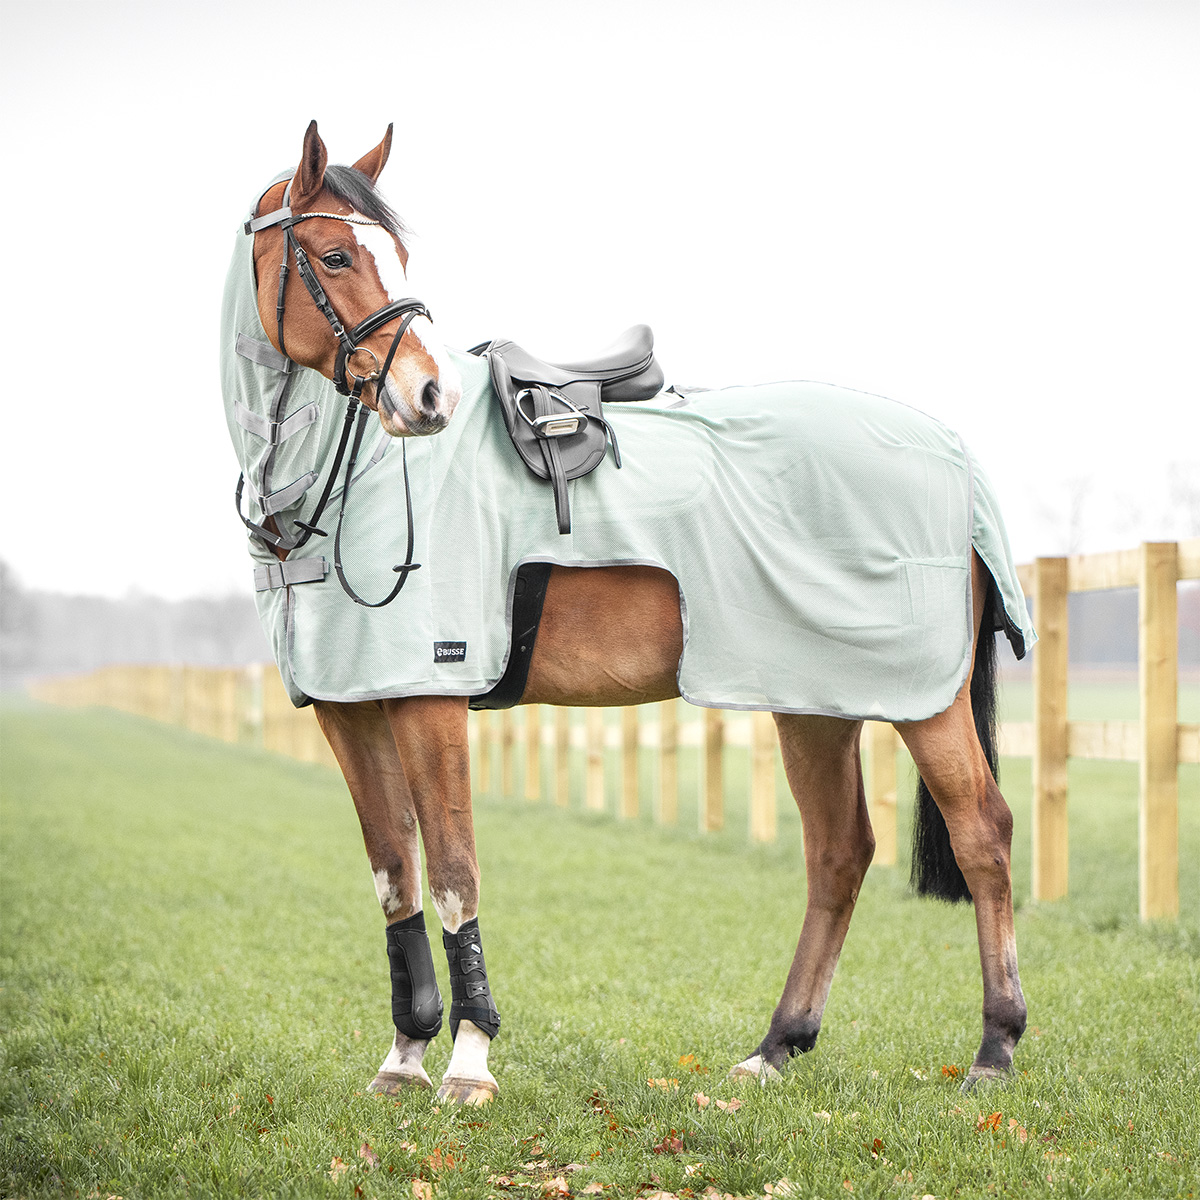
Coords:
pixel 406 760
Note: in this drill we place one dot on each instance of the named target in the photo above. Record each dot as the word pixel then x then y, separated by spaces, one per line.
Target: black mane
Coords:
pixel 355 189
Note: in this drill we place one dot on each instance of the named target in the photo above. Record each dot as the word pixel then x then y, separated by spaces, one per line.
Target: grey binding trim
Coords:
pixel 272 576
pixel 275 432
pixel 262 353
pixel 285 496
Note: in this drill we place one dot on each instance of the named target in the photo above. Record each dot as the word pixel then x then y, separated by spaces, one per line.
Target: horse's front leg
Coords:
pixel 430 734
pixel 820 755
pixel 362 742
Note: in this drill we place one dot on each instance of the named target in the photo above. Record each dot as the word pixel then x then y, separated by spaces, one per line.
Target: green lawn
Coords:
pixel 195 994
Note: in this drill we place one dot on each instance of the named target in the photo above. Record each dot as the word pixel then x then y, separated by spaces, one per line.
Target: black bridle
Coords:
pixel 349 345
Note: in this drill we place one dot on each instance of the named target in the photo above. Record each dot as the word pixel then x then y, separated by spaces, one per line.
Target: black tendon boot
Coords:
pixel 470 996
pixel 416 1001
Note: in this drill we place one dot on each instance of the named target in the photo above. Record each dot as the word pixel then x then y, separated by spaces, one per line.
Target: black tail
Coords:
pixel 934 869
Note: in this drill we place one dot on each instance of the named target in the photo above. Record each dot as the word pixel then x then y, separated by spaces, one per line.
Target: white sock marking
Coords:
pixel 469 1060
pixel 449 907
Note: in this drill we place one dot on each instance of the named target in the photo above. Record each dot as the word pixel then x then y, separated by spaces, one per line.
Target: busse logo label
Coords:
pixel 449 652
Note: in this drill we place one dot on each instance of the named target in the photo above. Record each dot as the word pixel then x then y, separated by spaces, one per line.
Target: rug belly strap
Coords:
pixel 416 1001
pixel 471 997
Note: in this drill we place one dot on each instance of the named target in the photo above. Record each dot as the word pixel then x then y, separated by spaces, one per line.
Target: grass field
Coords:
pixel 195 994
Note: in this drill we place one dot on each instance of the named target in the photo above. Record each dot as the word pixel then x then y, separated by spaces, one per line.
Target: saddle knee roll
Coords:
pixel 416 1001
pixel 471 997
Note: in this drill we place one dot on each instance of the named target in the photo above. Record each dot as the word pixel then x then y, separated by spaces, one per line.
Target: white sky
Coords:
pixel 983 208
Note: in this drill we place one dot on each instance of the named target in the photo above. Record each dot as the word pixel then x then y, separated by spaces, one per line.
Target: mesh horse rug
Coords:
pixel 821 538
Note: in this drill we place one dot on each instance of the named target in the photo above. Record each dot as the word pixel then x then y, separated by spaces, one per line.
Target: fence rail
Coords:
pixel 250 705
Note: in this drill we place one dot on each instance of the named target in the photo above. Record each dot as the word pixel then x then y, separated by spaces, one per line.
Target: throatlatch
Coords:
pixel 470 996
pixel 416 1001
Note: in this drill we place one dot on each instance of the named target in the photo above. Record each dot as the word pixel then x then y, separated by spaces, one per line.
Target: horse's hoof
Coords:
pixel 389 1083
pixel 983 1078
pixel 468 1091
pixel 755 1067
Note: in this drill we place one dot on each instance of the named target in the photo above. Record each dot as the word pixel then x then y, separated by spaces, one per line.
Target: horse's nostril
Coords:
pixel 430 395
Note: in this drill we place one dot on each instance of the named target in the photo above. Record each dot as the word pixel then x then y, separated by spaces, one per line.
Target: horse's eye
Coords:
pixel 336 260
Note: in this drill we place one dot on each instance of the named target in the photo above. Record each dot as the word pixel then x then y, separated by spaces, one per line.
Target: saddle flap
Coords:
pixel 578 452
pixel 554 411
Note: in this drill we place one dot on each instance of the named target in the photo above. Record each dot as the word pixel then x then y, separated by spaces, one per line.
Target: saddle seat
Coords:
pixel 626 370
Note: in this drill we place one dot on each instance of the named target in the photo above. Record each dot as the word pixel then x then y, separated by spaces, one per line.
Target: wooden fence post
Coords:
pixel 629 761
pixel 881 799
pixel 594 789
pixel 506 753
pixel 1050 861
pixel 762 777
pixel 562 757
pixel 252 711
pixel 483 750
pixel 712 808
pixel 668 762
pixel 1158 686
pixel 533 752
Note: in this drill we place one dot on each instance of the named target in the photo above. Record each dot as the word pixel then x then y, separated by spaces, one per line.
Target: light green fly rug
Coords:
pixel 821 538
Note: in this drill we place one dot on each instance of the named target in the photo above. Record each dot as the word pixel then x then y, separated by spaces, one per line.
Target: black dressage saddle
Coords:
pixel 554 412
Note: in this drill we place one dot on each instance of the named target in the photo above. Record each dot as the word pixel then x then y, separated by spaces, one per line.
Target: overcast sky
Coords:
pixel 983 208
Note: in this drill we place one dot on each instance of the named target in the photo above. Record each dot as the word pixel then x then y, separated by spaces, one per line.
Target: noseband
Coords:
pixel 349 344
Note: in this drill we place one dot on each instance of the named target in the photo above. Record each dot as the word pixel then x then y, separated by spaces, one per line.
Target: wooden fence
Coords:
pixel 249 705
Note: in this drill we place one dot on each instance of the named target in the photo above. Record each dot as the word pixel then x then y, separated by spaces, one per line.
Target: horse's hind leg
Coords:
pixel 952 764
pixel 362 742
pixel 821 757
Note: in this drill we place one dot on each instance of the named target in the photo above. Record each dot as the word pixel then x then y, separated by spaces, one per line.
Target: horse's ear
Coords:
pixel 310 174
pixel 372 163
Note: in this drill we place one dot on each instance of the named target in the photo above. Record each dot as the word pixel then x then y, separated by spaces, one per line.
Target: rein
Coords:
pixel 348 346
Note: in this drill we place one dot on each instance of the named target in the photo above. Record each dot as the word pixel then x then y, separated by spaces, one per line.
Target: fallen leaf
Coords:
pixel 1022 1134
pixel 847 1185
pixel 409 1146
pixel 439 1161
pixel 670 1085
pixel 368 1155
pixel 337 1168
pixel 670 1144
pixel 826 1117
pixel 729 1105
pixel 556 1187
pixel 270 1098
pixel 701 1099
pixel 952 1071
pixel 592 1189
pixel 422 1189
pixel 989 1122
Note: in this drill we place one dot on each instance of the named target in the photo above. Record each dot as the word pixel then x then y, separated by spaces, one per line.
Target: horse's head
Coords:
pixel 340 304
